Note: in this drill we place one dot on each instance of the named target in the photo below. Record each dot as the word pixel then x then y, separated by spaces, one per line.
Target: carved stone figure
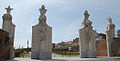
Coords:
pixel 87 41
pixel 110 34
pixel 41 38
pixel 9 27
pixel 8 9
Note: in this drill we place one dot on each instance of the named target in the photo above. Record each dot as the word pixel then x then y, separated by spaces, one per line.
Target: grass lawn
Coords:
pixel 66 53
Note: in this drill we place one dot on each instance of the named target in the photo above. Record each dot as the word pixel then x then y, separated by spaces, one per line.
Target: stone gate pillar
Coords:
pixel 10 28
pixel 41 38
pixel 110 34
pixel 87 41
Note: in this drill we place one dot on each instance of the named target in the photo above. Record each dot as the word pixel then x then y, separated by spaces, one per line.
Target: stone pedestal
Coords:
pixel 10 28
pixel 41 38
pixel 87 40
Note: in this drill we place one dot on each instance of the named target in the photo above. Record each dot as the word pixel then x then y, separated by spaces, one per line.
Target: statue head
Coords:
pixel 109 20
pixel 86 15
pixel 43 10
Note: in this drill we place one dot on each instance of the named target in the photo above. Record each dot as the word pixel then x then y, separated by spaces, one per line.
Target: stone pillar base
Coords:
pixel 34 55
pixel 92 54
pixel 41 55
pixel 83 54
pixel 45 55
pixel 89 54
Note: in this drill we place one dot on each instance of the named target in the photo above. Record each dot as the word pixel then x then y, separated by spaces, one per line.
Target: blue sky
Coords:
pixel 64 16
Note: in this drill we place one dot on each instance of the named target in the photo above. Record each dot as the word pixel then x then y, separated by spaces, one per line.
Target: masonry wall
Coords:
pixel 4 45
pixel 115 47
pixel 101 49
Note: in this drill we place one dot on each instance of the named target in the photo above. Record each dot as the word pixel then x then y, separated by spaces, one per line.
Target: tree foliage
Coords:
pixel 118 33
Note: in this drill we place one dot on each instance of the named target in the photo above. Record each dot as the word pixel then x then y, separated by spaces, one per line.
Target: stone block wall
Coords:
pixel 115 47
pixel 101 48
pixel 4 45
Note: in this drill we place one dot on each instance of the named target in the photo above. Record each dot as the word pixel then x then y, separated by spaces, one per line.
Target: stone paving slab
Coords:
pixel 68 59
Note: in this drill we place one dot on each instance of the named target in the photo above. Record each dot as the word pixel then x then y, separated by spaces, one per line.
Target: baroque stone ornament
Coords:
pixel 87 41
pixel 8 9
pixel 110 34
pixel 10 28
pixel 41 38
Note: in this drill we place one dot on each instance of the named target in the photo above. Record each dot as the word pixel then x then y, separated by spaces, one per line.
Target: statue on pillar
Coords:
pixel 86 22
pixel 42 17
pixel 8 10
pixel 109 20
pixel 42 10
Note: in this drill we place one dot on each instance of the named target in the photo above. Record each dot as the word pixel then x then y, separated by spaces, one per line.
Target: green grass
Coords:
pixel 21 54
pixel 66 47
pixel 67 53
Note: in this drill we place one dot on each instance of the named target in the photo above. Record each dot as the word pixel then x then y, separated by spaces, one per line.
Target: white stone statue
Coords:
pixel 86 22
pixel 42 12
pixel 87 40
pixel 41 38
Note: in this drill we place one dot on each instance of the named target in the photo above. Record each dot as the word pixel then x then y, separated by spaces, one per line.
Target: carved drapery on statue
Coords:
pixel 42 38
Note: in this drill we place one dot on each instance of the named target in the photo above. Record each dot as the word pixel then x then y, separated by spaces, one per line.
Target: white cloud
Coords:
pixel 108 10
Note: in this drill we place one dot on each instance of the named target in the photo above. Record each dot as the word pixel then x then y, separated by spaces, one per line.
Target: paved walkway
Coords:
pixel 56 57
pixel 69 59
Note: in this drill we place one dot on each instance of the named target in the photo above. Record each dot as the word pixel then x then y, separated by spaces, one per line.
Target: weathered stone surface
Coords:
pixel 110 34
pixel 9 27
pixel 115 47
pixel 87 40
pixel 101 49
pixel 42 38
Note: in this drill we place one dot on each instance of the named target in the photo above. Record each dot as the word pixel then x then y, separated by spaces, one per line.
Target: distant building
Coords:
pixel 67 43
pixel 53 45
pixel 75 41
pixel 4 45
pixel 100 36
